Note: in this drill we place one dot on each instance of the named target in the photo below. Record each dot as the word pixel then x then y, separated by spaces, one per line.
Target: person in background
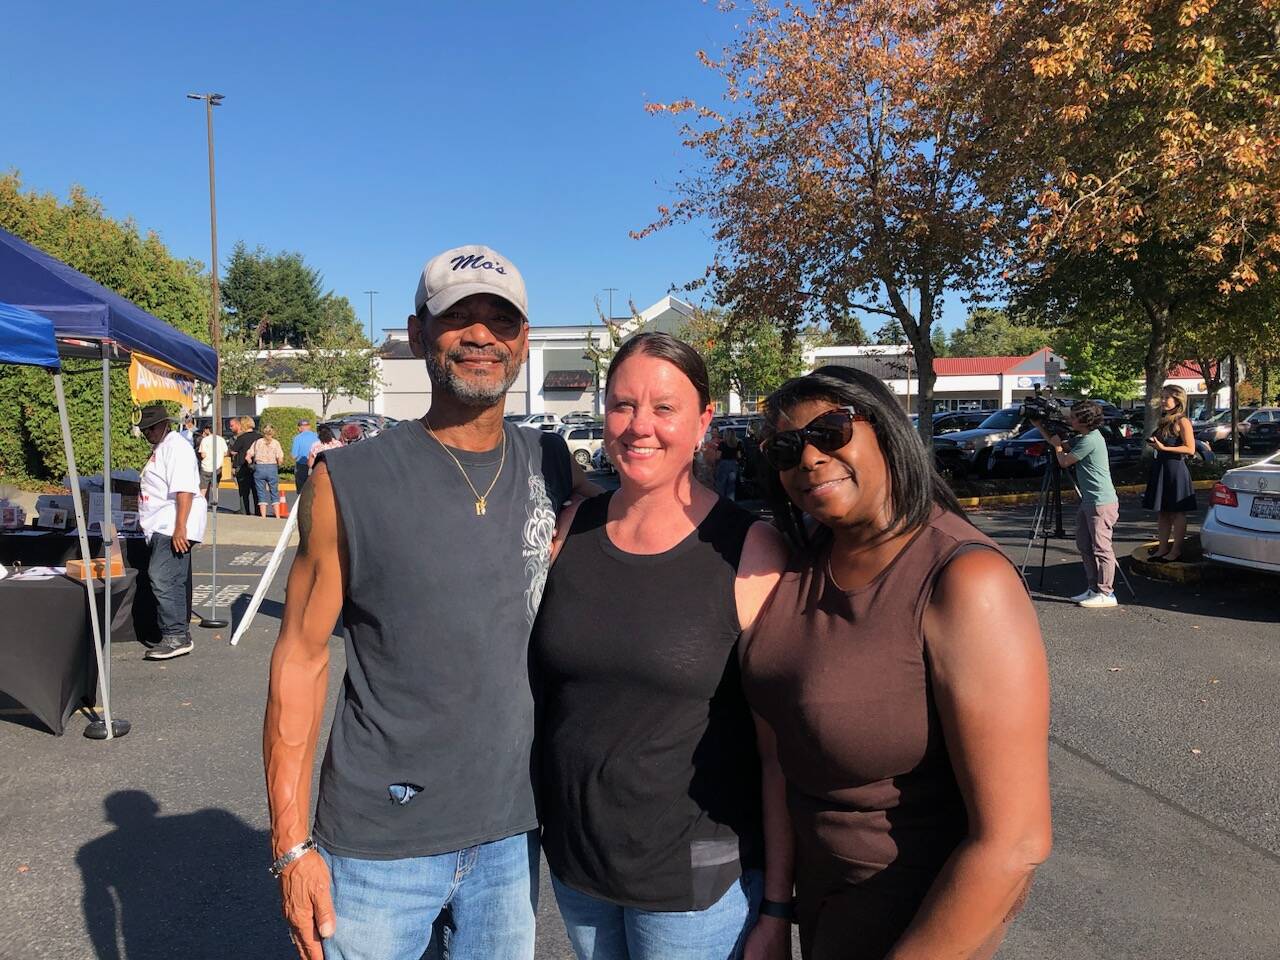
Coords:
pixel 326 441
pixel 172 513
pixel 265 456
pixel 303 441
pixel 1169 491
pixel 188 430
pixel 900 667
pixel 211 452
pixel 1099 506
pixel 351 433
pixel 728 464
pixel 246 435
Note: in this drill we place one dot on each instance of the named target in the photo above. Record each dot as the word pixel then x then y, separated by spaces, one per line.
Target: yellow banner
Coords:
pixel 151 380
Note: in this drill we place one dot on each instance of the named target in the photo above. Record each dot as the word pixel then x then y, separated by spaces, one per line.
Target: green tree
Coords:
pixel 749 357
pixel 273 300
pixel 846 329
pixel 1104 357
pixel 137 266
pixel 991 332
pixel 338 361
pixel 244 373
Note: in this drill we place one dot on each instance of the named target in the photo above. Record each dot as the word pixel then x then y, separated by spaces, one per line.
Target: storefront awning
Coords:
pixel 567 380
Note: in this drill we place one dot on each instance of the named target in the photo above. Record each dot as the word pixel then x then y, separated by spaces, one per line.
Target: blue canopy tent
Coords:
pixel 27 339
pixel 85 313
pixel 82 309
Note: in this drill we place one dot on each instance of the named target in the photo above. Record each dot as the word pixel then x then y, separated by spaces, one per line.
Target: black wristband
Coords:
pixel 781 910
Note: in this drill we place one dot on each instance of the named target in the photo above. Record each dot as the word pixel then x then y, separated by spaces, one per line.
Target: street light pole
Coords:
pixel 212 100
pixel 371 293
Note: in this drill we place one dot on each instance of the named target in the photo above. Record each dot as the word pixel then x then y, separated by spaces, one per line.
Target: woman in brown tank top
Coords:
pixel 901 669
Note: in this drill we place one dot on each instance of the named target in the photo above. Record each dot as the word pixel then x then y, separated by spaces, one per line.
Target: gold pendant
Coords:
pixel 480 505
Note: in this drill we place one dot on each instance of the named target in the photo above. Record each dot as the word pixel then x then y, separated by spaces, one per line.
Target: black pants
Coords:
pixel 300 474
pixel 248 493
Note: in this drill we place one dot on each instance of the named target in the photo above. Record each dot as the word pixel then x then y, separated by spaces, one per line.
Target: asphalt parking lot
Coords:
pixel 1165 735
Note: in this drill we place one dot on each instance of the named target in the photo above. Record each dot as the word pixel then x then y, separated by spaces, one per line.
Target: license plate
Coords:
pixel 1265 508
pixel 1010 452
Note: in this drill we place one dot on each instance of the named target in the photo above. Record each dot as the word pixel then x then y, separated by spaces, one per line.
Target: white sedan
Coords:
pixel 1243 525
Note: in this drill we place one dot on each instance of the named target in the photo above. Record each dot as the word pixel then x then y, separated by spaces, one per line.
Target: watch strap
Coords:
pixel 779 909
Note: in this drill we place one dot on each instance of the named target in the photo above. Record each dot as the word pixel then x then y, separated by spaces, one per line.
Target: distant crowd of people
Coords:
pixel 256 457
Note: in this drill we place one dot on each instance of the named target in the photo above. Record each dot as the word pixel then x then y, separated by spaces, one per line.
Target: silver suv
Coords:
pixel 969 451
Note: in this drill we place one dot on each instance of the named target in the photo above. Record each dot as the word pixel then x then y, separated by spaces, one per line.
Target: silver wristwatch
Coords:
pixel 290 855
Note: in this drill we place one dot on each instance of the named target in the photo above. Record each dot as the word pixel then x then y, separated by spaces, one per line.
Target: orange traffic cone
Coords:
pixel 282 507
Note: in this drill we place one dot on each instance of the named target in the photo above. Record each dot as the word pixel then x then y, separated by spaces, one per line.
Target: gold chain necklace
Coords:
pixel 481 498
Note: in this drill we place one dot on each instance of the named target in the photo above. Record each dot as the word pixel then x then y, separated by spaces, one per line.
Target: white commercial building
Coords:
pixel 560 378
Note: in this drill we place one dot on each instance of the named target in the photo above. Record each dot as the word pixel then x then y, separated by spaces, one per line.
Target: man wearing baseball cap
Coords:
pixel 172 513
pixel 432 540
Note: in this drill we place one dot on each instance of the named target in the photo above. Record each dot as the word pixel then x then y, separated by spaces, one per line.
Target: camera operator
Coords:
pixel 1099 505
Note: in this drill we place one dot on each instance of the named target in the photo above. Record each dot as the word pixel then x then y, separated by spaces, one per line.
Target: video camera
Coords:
pixel 1047 409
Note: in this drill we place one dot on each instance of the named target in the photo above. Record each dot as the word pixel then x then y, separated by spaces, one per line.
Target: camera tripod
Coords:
pixel 1051 500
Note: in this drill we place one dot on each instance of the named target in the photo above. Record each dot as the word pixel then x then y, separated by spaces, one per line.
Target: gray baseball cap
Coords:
pixel 464 271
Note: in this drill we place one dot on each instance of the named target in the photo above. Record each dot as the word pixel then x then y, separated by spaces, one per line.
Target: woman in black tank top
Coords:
pixel 650 779
pixel 900 666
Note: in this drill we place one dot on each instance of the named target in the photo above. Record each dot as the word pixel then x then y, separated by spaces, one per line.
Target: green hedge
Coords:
pixel 285 420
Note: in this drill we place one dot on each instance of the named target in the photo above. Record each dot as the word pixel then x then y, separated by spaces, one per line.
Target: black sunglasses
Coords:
pixel 827 432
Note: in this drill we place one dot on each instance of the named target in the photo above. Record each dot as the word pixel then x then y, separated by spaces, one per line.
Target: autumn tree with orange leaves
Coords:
pixel 1103 158
pixel 839 174
pixel 1140 161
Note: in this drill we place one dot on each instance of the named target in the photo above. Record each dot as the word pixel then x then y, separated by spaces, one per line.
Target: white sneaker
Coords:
pixel 1100 600
pixel 1082 596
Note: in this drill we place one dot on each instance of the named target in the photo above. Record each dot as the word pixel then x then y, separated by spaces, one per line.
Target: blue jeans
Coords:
pixel 170 576
pixel 386 908
pixel 266 480
pixel 727 478
pixel 600 930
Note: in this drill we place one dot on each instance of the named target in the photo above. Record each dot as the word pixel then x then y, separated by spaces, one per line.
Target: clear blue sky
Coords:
pixel 370 139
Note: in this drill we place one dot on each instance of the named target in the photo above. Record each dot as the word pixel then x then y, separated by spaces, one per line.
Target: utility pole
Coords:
pixel 371 340
pixel 211 100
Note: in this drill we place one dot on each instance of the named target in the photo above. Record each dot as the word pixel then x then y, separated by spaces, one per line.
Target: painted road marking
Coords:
pixel 227 595
pixel 251 558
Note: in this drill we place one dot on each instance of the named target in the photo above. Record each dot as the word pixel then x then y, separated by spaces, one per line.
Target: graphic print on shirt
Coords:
pixel 539 529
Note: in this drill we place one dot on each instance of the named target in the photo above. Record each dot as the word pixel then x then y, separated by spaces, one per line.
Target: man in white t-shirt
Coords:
pixel 172 513
pixel 212 451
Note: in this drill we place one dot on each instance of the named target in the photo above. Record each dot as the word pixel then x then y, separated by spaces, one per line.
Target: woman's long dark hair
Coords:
pixel 914 485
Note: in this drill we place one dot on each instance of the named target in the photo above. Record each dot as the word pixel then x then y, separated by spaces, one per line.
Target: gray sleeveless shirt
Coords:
pixel 432 736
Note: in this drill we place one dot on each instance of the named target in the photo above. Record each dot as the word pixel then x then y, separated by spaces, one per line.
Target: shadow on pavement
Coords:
pixel 188 885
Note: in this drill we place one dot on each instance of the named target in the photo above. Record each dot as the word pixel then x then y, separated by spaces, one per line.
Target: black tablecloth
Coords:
pixel 46 653
pixel 55 548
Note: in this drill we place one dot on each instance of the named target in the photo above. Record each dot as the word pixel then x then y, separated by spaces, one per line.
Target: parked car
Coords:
pixel 953 421
pixel 969 451
pixel 1264 429
pixel 1216 431
pixel 370 424
pixel 600 461
pixel 579 416
pixel 539 421
pixel 1027 455
pixel 583 440
pixel 1242 527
